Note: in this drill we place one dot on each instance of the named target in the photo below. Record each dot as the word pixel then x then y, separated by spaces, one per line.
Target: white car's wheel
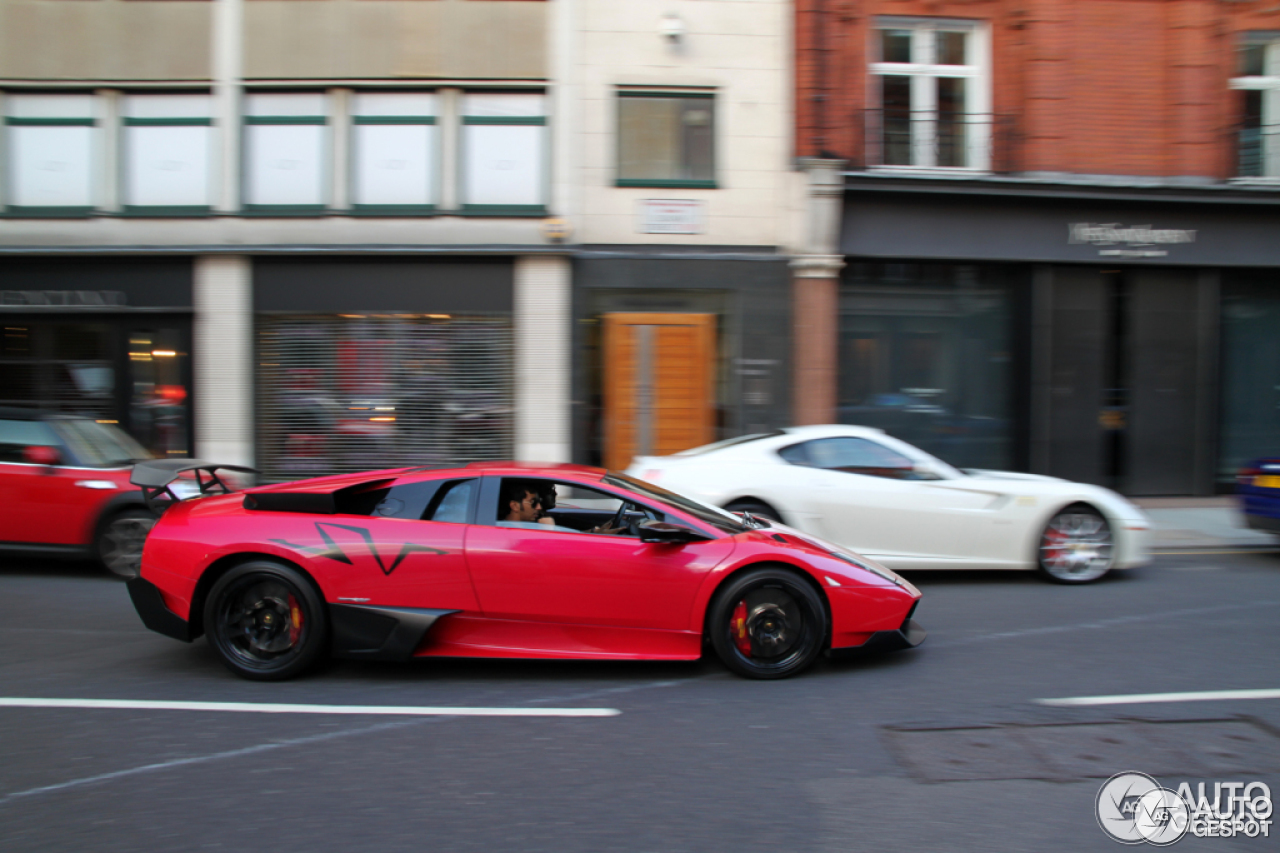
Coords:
pixel 756 508
pixel 1076 546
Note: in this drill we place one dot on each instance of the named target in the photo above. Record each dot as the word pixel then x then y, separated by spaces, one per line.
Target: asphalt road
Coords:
pixel 940 748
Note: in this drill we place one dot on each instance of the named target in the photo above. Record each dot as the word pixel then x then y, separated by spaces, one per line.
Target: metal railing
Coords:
pixel 939 140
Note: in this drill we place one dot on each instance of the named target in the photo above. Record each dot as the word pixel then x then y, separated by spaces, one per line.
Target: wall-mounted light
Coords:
pixel 671 26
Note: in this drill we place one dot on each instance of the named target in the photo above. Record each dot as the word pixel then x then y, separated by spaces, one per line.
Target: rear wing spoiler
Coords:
pixel 156 476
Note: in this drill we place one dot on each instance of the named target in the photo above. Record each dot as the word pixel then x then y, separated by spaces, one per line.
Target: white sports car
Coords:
pixel 902 507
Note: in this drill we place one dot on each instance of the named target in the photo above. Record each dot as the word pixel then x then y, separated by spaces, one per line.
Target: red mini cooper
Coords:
pixel 64 486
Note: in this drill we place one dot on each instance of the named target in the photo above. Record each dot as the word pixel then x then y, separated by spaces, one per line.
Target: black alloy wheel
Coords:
pixel 767 623
pixel 266 621
pixel 120 540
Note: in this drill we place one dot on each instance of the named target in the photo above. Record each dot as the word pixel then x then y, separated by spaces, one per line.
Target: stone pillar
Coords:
pixel 228 57
pixel 222 358
pixel 815 286
pixel 815 290
pixel 543 302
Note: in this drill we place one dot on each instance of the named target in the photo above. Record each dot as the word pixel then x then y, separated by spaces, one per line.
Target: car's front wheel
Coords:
pixel 120 540
pixel 1076 546
pixel 266 621
pixel 767 623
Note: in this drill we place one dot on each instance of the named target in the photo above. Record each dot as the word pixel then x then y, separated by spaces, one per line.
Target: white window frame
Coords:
pixel 73 111
pixel 155 109
pixel 258 113
pixel 509 118
pixel 924 73
pixel 1268 83
pixel 365 111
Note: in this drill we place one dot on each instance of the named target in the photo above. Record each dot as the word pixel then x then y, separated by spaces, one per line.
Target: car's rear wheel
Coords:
pixel 756 508
pixel 1076 546
pixel 266 621
pixel 120 540
pixel 767 623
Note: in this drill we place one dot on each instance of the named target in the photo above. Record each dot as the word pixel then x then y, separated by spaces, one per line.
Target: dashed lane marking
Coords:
pixel 1144 698
pixel 270 708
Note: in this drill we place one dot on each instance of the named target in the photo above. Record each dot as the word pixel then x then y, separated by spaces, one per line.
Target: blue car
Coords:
pixel 1258 487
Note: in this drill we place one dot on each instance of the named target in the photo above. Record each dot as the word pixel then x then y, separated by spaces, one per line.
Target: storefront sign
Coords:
pixel 670 216
pixel 1139 238
pixel 64 298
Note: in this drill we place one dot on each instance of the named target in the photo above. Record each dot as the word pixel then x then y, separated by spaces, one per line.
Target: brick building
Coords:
pixel 1042 235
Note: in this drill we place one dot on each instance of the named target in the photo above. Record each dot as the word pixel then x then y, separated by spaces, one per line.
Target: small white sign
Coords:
pixel 671 216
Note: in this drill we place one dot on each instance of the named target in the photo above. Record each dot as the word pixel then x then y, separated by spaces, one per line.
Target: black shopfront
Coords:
pixel 1125 337
pixel 109 338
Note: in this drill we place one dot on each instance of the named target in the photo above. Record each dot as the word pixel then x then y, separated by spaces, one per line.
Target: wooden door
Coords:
pixel 659 384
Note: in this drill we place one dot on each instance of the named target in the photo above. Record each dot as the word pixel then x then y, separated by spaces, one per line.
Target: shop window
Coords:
pixel 932 95
pixel 167 153
pixel 504 153
pixel 356 392
pixel 50 141
pixel 1258 80
pixel 395 146
pixel 1250 403
pixel 666 139
pixel 925 356
pixel 285 156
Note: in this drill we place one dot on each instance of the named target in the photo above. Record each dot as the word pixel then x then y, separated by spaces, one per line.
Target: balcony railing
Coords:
pixel 980 142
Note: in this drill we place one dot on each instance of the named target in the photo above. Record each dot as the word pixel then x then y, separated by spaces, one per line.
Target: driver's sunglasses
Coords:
pixel 533 500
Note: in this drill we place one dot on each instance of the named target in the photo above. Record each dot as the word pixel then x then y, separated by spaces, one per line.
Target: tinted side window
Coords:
pixel 859 456
pixel 453 502
pixel 407 501
pixel 796 454
pixel 16 435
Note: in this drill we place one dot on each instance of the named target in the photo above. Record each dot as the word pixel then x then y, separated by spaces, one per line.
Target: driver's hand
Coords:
pixel 546 519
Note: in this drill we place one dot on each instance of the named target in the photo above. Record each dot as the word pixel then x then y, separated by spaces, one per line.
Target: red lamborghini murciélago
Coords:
pixel 498 560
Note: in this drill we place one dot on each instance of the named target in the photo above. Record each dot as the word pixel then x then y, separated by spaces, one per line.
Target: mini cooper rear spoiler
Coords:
pixel 156 477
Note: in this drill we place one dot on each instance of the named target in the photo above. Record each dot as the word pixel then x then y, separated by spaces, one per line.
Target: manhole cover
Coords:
pixel 1201 748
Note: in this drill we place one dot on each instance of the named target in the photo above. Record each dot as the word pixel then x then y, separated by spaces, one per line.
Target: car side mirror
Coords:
pixel 41 454
pixel 666 533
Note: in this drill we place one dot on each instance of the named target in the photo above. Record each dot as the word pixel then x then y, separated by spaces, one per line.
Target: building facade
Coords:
pixel 306 236
pixel 339 234
pixel 679 189
pixel 1052 248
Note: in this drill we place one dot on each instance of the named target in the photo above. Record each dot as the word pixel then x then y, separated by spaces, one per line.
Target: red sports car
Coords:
pixel 500 560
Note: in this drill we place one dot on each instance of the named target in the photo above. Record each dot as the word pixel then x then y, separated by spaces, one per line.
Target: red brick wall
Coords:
pixel 1106 87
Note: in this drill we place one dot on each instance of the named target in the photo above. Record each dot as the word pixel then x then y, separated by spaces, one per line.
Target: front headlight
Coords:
pixel 870 567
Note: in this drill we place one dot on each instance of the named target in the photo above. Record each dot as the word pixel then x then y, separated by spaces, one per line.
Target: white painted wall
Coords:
pixel 742 49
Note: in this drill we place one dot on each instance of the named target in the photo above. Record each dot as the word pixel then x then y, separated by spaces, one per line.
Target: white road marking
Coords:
pixel 1143 698
pixel 269 708
pixel 201 759
pixel 266 747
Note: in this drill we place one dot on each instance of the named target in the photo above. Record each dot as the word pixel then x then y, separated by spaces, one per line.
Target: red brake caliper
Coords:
pixel 738 627
pixel 295 620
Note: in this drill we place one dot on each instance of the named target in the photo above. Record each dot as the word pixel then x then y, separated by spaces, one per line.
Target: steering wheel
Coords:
pixel 619 520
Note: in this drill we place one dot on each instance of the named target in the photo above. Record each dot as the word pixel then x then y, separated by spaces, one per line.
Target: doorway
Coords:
pixel 658 383
pixel 1127 404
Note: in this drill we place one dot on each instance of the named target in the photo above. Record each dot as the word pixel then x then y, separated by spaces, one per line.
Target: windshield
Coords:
pixel 716 517
pixel 99 444
pixel 728 442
